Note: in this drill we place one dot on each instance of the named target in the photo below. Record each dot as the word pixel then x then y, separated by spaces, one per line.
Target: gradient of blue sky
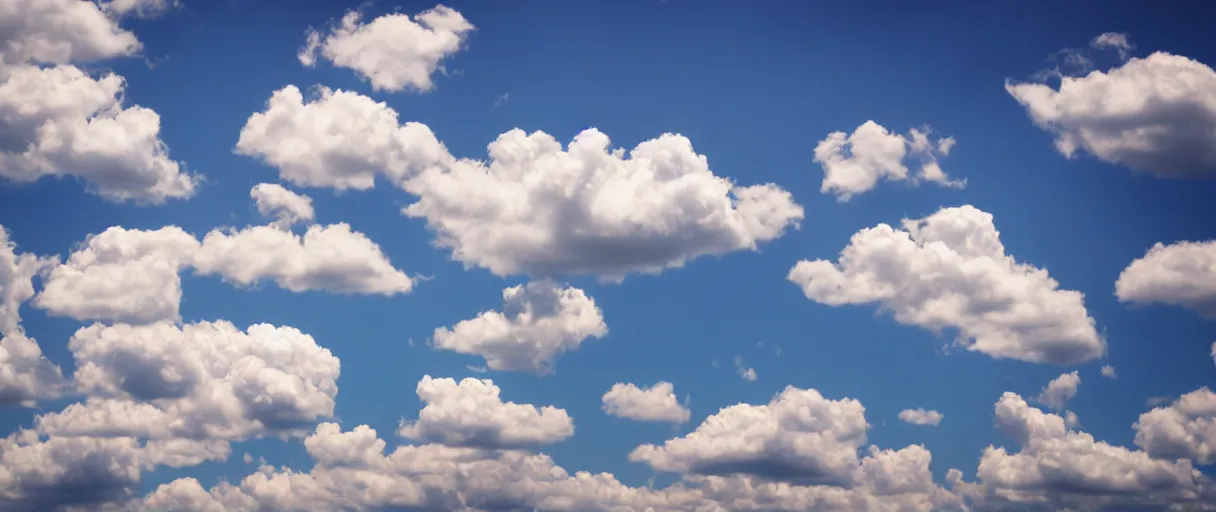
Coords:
pixel 754 86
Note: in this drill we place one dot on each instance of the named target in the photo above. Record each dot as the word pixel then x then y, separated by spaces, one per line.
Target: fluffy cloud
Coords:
pixel 655 403
pixel 25 375
pixel 61 31
pixel 337 139
pixel 855 163
pixel 1155 114
pixel 1108 371
pixel 1060 469
pixel 331 258
pixel 1185 428
pixel 284 206
pixel 393 52
pixel 1182 274
pixel 17 273
pixel 470 413
pixel 1115 41
pixel 921 417
pixel 123 275
pixel 1060 390
pixel 538 322
pixel 542 210
pixel 950 270
pixel 799 436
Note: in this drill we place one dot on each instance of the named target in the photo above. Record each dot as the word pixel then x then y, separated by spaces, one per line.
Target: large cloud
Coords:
pixel 854 163
pixel 1185 428
pixel 471 413
pixel 1155 114
pixel 542 210
pixel 1182 274
pixel 655 403
pixel 393 52
pixel 950 270
pixel 538 323
pixel 60 31
pixel 1056 468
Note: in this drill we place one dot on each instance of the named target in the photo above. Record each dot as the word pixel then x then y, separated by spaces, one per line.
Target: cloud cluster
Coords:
pixel 950 270
pixel 539 321
pixel 1155 114
pixel 58 120
pixel 854 163
pixel 393 52
pixel 1181 274
pixel 655 403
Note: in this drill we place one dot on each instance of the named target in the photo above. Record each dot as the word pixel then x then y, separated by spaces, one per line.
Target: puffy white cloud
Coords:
pixel 655 403
pixel 61 31
pixel 542 210
pixel 1108 371
pixel 471 413
pixel 539 322
pixel 1185 428
pixel 332 258
pixel 124 275
pixel 1155 114
pixel 920 416
pixel 1056 469
pixel 855 163
pixel 950 270
pixel 284 206
pixel 1181 274
pixel 1060 390
pixel 393 52
pixel 337 139
pixel 25 375
pixel 799 436
pixel 43 474
pixel 17 273
pixel 1113 40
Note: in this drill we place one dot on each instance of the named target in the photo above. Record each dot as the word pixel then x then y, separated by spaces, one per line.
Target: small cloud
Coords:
pixel 502 98
pixel 921 417
pixel 715 363
pixel 476 369
pixel 247 458
pixel 1116 41
pixel 1070 419
pixel 1154 401
pixel 748 374
pixel 1108 371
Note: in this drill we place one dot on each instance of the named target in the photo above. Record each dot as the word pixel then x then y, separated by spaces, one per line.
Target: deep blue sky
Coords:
pixel 754 86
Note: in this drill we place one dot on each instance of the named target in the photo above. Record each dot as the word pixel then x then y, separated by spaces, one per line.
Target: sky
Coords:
pixel 638 255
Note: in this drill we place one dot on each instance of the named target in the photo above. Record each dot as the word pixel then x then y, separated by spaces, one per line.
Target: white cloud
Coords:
pixel 123 275
pixel 1058 469
pixel 60 31
pixel 799 436
pixel 855 163
pixel 337 139
pixel 745 373
pixel 1155 114
pixel 393 52
pixel 655 403
pixel 538 323
pixel 1181 274
pixel 1060 390
pixel 25 375
pixel 332 258
pixel 1108 371
pixel 17 273
pixel 920 416
pixel 1115 41
pixel 284 206
pixel 1185 428
pixel 471 413
pixel 950 270
pixel 543 210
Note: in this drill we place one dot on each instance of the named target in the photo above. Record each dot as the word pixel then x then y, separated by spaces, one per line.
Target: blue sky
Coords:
pixel 755 88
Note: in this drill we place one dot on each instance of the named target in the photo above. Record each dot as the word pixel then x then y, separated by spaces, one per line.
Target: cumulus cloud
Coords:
pixel 121 275
pixel 1060 390
pixel 655 403
pixel 282 205
pixel 393 52
pixel 471 413
pixel 17 271
pixel 61 31
pixel 1108 371
pixel 854 163
pixel 337 139
pixel 539 321
pixel 1155 114
pixel 1056 468
pixel 1180 274
pixel 332 258
pixel 1183 429
pixel 920 416
pixel 543 210
pixel 799 436
pixel 950 270
pixel 25 375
